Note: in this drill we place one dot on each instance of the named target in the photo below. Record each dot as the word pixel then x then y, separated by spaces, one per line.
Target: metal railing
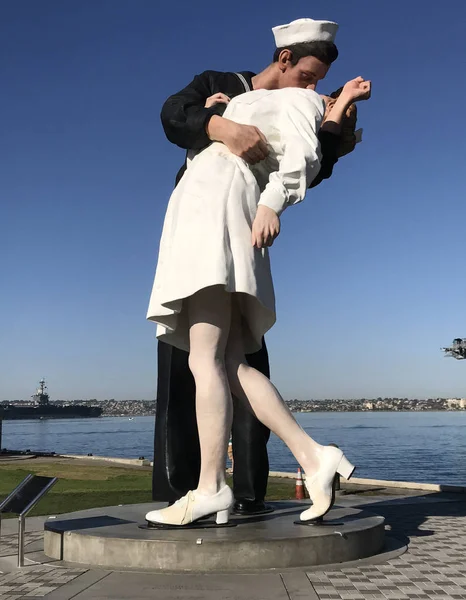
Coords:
pixel 21 501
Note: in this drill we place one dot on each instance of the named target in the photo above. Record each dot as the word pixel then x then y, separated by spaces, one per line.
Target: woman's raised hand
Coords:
pixel 357 89
pixel 265 228
pixel 216 99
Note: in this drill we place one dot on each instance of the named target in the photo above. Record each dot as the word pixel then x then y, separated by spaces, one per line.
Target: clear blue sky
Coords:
pixel 369 269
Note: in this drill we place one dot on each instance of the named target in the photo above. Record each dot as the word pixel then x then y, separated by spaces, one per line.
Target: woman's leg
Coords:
pixel 253 388
pixel 320 463
pixel 209 313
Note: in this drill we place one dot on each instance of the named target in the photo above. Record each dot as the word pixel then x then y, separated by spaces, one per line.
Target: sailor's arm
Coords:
pixel 184 116
pixel 188 123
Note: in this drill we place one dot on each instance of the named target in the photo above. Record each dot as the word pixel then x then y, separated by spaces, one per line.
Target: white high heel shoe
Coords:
pixel 193 507
pixel 321 486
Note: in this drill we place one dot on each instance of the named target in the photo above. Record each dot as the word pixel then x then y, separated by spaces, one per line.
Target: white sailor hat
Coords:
pixel 303 31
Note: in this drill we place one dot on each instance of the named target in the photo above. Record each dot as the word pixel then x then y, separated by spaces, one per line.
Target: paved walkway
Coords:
pixel 434 566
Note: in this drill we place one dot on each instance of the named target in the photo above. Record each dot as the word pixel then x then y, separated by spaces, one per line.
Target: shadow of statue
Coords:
pixel 405 516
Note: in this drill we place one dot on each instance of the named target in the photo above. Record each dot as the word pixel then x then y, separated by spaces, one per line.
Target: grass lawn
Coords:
pixel 82 485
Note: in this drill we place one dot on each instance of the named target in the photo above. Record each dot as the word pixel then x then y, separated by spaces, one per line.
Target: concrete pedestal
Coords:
pixel 111 537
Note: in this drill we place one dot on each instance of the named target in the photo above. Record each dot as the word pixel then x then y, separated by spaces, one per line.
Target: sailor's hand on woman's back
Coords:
pixel 265 228
pixel 246 141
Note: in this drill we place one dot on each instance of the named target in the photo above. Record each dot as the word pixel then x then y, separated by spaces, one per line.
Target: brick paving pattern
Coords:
pixel 9 543
pixel 434 567
pixel 34 581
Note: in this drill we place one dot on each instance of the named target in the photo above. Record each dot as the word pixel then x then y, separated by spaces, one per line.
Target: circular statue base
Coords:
pixel 113 537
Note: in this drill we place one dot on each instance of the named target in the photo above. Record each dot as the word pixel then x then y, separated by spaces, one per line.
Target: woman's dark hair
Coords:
pixel 336 93
pixel 326 52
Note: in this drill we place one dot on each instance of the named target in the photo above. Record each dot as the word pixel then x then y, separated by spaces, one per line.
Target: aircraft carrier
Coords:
pixel 42 408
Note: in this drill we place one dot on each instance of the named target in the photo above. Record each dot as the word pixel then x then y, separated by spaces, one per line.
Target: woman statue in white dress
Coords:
pixel 213 293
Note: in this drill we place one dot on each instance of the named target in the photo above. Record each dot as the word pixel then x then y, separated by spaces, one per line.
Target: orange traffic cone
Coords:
pixel 299 486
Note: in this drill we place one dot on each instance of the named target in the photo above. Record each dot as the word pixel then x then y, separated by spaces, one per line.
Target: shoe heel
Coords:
pixel 222 517
pixel 345 468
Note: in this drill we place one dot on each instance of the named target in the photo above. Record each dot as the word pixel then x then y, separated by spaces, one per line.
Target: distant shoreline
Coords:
pixel 145 408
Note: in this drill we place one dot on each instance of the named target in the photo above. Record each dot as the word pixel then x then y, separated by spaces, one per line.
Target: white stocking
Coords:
pixel 209 313
pixel 249 385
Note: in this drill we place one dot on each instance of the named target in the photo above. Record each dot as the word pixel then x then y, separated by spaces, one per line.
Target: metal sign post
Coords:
pixel 22 500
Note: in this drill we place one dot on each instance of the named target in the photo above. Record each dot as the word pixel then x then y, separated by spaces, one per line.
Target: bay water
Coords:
pixel 427 447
